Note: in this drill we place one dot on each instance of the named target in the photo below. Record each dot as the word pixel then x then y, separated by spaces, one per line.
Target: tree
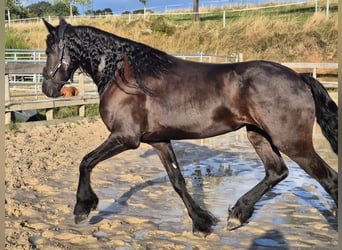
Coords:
pixel 69 4
pixel 39 9
pixel 9 4
pixel 60 9
pixel 15 10
pixel 195 16
pixel 107 11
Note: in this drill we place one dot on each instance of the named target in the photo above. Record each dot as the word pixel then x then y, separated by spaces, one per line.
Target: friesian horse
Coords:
pixel 148 96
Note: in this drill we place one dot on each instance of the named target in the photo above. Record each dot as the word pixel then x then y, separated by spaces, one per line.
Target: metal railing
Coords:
pixel 202 57
pixel 28 86
pixel 39 56
pixel 23 55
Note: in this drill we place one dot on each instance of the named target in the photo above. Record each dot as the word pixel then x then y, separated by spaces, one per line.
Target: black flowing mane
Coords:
pixel 88 46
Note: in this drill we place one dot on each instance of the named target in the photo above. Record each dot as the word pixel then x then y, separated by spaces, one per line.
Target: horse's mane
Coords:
pixel 89 44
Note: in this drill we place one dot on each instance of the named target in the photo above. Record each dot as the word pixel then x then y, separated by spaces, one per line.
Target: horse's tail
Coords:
pixel 326 111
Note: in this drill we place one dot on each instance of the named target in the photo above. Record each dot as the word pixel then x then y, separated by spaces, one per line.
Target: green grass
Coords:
pixel 301 12
pixel 14 40
pixel 91 110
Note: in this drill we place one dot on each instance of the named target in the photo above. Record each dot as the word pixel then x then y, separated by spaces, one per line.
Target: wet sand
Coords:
pixel 138 208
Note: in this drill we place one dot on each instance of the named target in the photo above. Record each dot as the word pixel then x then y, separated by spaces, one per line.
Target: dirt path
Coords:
pixel 139 209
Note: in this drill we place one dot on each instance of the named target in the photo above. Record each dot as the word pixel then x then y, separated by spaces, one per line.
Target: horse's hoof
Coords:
pixel 233 223
pixel 204 224
pixel 335 212
pixel 203 231
pixel 80 217
pixel 238 215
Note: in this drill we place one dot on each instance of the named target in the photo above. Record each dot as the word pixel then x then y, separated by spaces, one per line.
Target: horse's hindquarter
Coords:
pixel 279 102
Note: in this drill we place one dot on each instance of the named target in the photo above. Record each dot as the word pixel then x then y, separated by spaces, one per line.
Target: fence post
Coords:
pixel 9 17
pixel 81 84
pixel 314 72
pixel 81 111
pixel 224 19
pixel 81 92
pixel 8 115
pixel 240 57
pixel 49 114
pixel 7 89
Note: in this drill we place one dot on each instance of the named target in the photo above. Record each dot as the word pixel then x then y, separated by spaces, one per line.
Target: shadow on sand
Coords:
pixel 272 239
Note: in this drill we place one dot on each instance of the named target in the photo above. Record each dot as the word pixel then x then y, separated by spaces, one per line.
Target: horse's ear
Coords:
pixel 49 27
pixel 62 21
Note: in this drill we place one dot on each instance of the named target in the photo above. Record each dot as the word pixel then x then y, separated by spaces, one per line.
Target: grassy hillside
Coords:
pixel 292 33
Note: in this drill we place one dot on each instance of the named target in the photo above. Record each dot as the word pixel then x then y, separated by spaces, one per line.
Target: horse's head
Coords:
pixel 59 66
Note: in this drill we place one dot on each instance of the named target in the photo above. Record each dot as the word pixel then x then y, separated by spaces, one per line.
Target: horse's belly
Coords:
pixel 189 128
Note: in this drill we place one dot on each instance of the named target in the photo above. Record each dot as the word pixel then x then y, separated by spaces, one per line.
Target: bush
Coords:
pixel 162 25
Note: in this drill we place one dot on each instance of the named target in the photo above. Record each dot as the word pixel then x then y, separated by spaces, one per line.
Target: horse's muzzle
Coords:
pixel 52 88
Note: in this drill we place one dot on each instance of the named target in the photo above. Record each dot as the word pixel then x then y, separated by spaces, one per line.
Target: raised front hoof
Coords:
pixel 204 223
pixel 233 223
pixel 237 217
pixel 82 209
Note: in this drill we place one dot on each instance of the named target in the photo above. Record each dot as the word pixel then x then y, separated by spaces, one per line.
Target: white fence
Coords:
pixel 23 55
pixel 223 10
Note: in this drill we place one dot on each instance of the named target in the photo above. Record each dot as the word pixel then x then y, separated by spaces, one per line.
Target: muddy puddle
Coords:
pixel 296 214
pixel 139 209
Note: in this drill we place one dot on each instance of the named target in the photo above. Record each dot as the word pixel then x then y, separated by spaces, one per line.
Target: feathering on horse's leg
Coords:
pixel 86 198
pixel 276 171
pixel 203 221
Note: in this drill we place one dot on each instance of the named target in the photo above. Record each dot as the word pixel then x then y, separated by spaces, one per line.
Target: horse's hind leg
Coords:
pixel 276 171
pixel 316 167
pixel 202 219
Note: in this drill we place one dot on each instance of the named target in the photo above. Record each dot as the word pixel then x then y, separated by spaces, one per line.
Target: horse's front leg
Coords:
pixel 86 198
pixel 202 219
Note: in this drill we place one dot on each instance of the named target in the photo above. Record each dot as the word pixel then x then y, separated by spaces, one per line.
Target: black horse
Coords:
pixel 149 96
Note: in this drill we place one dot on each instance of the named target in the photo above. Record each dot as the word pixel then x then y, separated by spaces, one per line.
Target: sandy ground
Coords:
pixel 41 181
